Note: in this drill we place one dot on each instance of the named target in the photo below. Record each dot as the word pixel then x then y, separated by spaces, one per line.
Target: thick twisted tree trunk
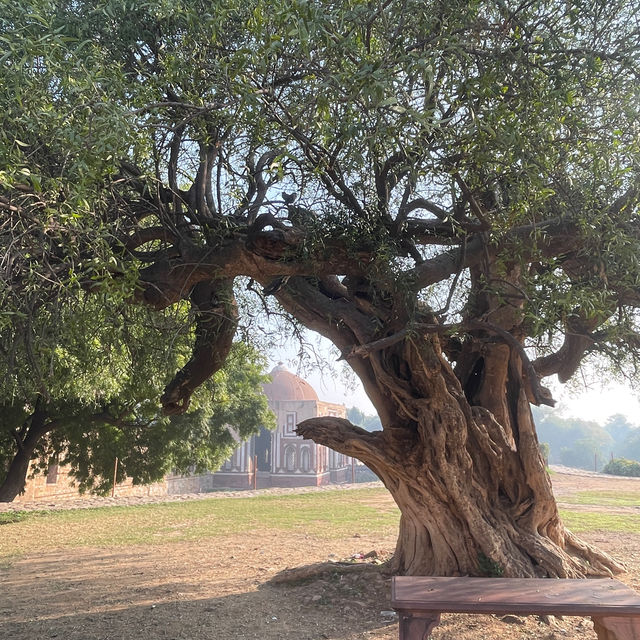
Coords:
pixel 464 466
pixel 15 478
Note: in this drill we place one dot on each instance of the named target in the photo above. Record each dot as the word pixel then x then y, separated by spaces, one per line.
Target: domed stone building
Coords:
pixel 280 458
pixel 276 458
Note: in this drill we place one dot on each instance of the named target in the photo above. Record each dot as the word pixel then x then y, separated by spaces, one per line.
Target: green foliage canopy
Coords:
pixel 449 164
pixel 72 348
pixel 94 378
pixel 409 123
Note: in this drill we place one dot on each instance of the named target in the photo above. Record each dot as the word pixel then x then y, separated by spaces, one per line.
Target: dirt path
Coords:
pixel 92 502
pixel 566 481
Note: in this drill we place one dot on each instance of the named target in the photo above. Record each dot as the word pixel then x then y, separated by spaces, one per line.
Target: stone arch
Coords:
pixel 290 458
pixel 305 460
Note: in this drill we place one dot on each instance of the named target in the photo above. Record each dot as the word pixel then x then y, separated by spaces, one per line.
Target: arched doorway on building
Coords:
pixel 263 450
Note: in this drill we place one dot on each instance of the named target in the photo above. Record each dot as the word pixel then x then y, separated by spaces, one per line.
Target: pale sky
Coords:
pixel 597 402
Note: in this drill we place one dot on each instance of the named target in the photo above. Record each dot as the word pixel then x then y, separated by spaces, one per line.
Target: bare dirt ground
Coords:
pixel 240 587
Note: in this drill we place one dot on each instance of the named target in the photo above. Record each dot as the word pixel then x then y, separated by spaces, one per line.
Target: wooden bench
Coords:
pixel 614 607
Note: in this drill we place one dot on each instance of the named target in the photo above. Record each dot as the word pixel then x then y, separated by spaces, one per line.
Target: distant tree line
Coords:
pixel 370 422
pixel 586 444
pixel 361 419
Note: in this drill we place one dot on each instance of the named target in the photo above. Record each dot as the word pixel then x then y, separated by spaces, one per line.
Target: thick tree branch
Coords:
pixel 336 316
pixel 216 322
pixel 450 262
pixel 40 425
pixel 423 203
pixel 142 235
pixel 554 237
pixel 343 436
pixel 567 359
pixel 540 394
pixel 338 319
pixel 262 255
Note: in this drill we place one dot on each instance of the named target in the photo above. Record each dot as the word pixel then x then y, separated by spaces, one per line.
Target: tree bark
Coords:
pixel 15 479
pixel 463 464
pixel 16 476
pixel 216 323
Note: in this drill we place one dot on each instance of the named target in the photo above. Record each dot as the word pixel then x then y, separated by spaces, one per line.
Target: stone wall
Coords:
pixel 205 482
pixel 59 485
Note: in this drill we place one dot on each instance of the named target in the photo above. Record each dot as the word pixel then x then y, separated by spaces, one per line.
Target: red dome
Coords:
pixel 285 385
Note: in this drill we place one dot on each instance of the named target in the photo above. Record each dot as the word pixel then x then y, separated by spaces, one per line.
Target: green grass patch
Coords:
pixel 586 521
pixel 604 498
pixel 12 516
pixel 328 515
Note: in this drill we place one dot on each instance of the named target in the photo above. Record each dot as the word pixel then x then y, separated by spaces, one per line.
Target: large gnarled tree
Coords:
pixel 446 191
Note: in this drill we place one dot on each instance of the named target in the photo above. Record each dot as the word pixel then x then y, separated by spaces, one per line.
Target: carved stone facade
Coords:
pixel 282 458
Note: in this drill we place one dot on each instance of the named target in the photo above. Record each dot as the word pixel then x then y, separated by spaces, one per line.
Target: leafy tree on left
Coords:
pixel 81 388
pixel 82 373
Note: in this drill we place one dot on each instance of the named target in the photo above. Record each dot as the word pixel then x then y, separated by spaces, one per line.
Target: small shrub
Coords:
pixel 488 567
pixel 623 467
pixel 12 516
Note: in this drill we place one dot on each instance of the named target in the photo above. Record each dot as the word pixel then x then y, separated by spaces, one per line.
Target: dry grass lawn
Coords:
pixel 178 572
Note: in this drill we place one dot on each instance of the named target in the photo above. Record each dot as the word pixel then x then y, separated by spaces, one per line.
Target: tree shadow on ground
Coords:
pixel 95 599
pixel 109 595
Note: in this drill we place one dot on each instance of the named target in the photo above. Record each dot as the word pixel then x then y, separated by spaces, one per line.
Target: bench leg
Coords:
pixel 416 627
pixel 617 628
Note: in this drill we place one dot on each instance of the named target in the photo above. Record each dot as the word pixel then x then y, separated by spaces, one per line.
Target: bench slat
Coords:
pixel 595 597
